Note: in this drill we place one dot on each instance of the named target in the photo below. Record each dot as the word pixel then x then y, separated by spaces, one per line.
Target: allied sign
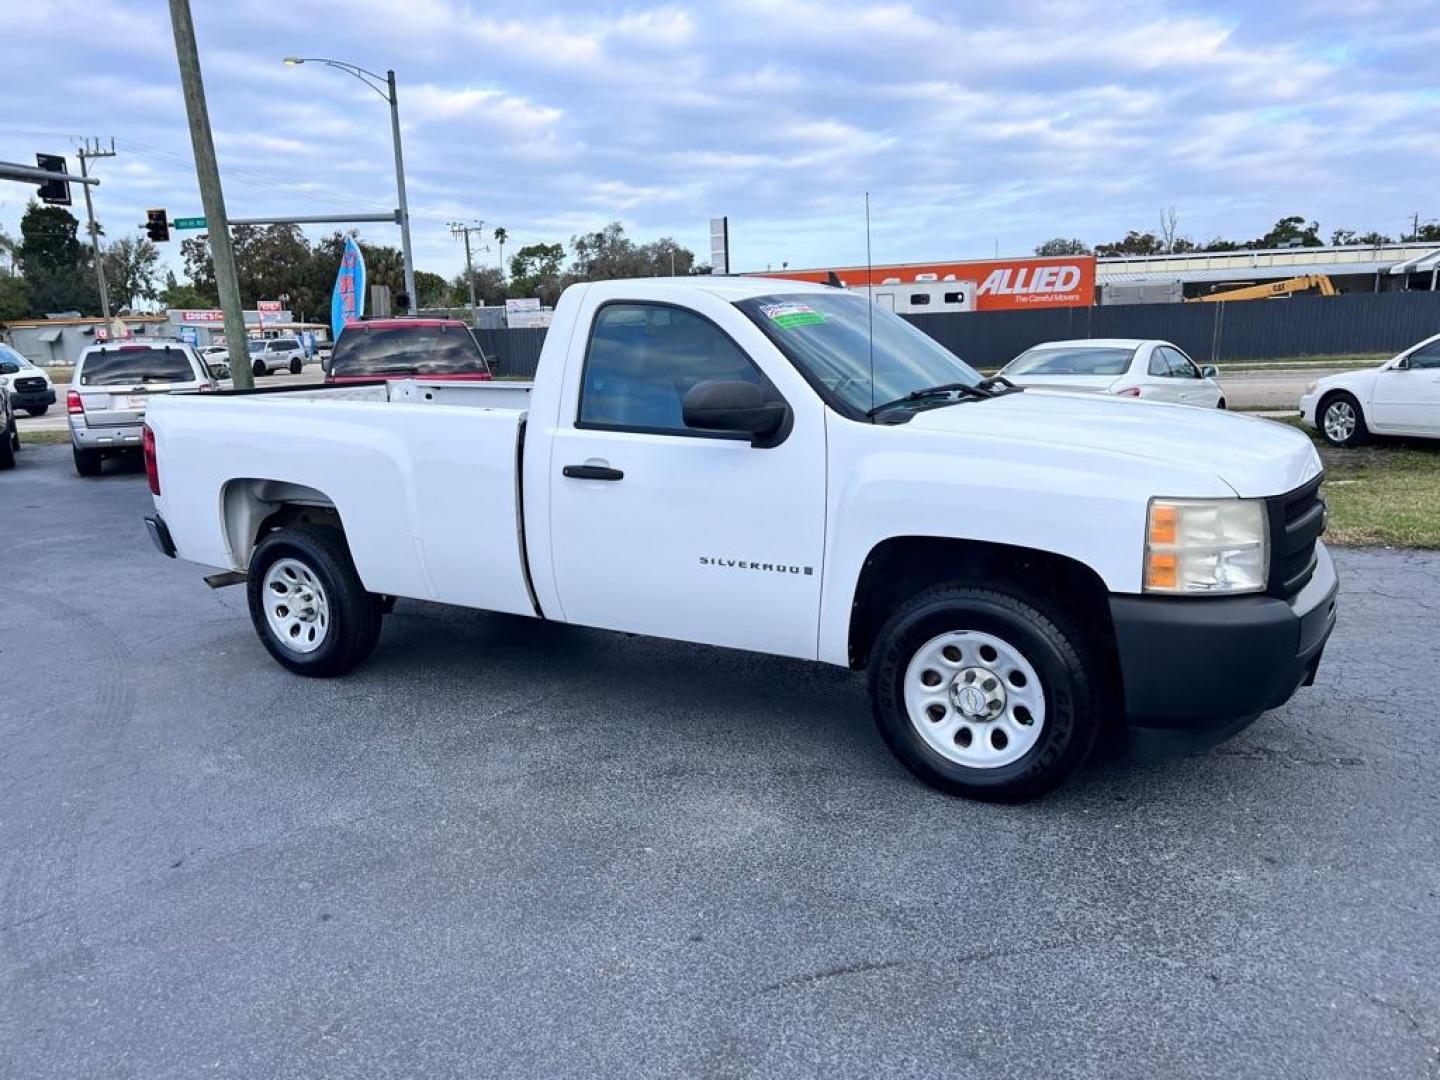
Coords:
pixel 982 285
pixel 347 302
pixel 189 223
pixel 268 307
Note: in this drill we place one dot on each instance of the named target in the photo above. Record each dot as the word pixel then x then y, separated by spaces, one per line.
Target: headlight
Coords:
pixel 1206 546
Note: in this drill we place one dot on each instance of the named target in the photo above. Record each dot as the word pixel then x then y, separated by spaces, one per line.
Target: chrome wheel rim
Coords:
pixel 296 607
pixel 974 699
pixel 1340 421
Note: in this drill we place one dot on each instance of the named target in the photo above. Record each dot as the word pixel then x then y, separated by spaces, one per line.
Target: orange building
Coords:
pixel 980 285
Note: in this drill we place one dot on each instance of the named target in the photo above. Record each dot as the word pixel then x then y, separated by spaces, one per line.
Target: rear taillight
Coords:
pixel 152 467
pixel 1129 391
pixel 73 405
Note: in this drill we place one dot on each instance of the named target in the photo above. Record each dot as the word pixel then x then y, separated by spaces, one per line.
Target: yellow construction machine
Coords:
pixel 1272 289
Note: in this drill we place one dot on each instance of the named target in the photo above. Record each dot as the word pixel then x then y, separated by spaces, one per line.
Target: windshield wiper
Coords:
pixel 981 391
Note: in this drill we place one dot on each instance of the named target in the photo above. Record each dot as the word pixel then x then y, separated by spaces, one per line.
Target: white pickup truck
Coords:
pixel 783 468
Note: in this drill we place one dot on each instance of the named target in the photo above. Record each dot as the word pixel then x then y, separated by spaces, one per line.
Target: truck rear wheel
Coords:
pixel 295 367
pixel 87 462
pixel 308 604
pixel 986 693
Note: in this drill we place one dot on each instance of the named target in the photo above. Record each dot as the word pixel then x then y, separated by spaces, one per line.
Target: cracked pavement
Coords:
pixel 508 849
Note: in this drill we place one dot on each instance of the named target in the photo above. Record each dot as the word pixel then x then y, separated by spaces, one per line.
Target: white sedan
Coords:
pixel 1129 367
pixel 1400 397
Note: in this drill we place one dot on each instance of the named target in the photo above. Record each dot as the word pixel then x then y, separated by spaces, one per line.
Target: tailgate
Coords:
pixel 118 406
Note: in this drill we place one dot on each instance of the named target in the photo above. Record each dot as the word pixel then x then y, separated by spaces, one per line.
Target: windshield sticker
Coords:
pixel 788 316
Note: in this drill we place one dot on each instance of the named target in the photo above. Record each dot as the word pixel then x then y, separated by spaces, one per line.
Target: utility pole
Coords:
pixel 464 231
pixel 92 150
pixel 212 197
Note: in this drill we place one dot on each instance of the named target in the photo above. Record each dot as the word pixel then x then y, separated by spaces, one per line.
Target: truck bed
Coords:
pixel 423 474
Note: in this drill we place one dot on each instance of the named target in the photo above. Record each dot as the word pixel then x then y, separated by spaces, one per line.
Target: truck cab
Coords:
pixel 786 468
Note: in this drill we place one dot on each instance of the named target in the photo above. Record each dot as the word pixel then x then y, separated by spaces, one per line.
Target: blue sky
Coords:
pixel 974 125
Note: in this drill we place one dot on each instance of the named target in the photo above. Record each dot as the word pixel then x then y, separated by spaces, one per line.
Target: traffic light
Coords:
pixel 157 225
pixel 54 192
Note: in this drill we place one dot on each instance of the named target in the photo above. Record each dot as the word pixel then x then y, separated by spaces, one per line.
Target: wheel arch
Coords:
pixel 250 507
pixel 901 566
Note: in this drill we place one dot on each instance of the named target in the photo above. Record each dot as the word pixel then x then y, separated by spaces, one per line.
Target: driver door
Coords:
pixel 1408 398
pixel 661 529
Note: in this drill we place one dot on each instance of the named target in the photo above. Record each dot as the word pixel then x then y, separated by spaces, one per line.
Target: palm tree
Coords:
pixel 500 237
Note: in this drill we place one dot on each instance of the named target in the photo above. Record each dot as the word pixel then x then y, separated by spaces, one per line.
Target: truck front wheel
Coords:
pixel 986 693
pixel 308 604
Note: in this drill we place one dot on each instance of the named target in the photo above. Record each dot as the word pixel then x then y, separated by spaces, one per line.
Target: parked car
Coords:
pixel 29 386
pixel 269 355
pixel 112 387
pixel 1400 397
pixel 1154 370
pixel 406 348
pixel 788 469
pixel 9 433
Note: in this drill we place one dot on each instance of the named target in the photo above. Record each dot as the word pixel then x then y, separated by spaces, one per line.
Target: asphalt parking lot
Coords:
pixel 511 849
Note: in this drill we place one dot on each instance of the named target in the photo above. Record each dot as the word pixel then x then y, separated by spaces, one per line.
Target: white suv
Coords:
pixel 269 355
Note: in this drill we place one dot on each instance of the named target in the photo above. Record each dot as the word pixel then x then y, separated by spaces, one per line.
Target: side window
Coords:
pixel 644 358
pixel 1427 356
pixel 919 299
pixel 1180 365
pixel 1159 365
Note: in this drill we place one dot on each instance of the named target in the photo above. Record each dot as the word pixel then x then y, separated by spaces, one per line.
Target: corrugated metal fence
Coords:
pixel 1239 330
pixel 1212 333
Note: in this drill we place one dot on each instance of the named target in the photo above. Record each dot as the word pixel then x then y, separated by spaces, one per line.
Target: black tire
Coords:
pixel 1046 639
pixel 1359 435
pixel 87 462
pixel 8 445
pixel 14 435
pixel 39 410
pixel 354 614
pixel 1221 404
pixel 258 368
pixel 295 367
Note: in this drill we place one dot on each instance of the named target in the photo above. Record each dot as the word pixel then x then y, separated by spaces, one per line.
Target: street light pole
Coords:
pixel 385 87
pixel 400 190
pixel 212 197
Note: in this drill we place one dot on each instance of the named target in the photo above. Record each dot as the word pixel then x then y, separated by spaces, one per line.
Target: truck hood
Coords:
pixel 1254 457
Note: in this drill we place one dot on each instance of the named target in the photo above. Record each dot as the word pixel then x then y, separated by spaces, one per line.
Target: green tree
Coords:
pixel 535 271
pixel 1060 246
pixel 14 298
pixel 1292 231
pixel 1134 243
pixel 434 290
pixel 500 237
pixel 176 294
pixel 56 266
pixel 131 266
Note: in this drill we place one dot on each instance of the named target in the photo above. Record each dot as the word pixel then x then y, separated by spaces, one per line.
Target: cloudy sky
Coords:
pixel 975 125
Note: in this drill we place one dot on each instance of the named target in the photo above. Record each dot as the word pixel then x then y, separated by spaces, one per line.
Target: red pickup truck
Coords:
pixel 405 348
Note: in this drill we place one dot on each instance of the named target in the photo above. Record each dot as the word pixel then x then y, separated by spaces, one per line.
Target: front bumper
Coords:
pixel 1307 408
pixel 32 399
pixel 1213 663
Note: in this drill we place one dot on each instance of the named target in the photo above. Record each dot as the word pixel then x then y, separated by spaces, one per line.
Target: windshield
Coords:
pixel 135 365
pixel 407 350
pixel 7 354
pixel 256 345
pixel 827 336
pixel 1071 360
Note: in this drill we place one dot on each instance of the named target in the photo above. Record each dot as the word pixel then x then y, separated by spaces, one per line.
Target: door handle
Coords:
pixel 592 472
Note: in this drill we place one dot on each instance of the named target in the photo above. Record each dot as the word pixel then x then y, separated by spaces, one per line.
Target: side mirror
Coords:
pixel 9 367
pixel 736 406
pixel 1209 371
